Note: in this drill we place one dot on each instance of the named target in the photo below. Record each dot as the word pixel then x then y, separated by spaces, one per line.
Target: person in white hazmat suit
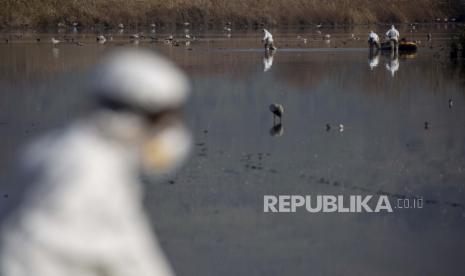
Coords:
pixel 373 40
pixel 82 213
pixel 268 40
pixel 393 36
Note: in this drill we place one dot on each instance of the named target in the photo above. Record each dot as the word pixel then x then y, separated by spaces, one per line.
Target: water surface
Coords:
pixel 209 216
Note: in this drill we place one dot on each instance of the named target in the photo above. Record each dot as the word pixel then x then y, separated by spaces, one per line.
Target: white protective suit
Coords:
pixel 82 212
pixel 393 33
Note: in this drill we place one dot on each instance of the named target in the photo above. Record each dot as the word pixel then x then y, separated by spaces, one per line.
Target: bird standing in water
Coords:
pixel 277 110
pixel 54 41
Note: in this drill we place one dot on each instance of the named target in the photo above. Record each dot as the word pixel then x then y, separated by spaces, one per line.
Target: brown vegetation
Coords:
pixel 208 12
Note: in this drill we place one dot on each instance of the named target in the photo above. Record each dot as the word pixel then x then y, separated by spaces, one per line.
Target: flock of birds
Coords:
pixel 134 38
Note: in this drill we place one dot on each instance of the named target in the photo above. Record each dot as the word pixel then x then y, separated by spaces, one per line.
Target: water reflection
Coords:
pixel 392 65
pixel 209 216
pixel 268 60
pixel 55 52
pixel 277 130
pixel 373 58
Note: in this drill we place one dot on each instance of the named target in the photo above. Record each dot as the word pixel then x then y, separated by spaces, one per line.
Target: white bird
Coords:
pixel 327 37
pixel 227 29
pixel 101 39
pixel 341 127
pixel 120 26
pixel 54 41
pixel 82 213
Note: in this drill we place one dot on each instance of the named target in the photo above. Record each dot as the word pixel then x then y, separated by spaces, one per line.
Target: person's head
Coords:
pixel 140 80
pixel 139 86
pixel 392 27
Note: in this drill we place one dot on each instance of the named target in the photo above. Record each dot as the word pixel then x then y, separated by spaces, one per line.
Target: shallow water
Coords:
pixel 209 216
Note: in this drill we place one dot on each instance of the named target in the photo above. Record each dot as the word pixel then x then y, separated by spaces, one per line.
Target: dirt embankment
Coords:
pixel 48 13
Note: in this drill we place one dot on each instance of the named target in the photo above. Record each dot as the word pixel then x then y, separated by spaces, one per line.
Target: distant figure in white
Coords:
pixel 393 36
pixel 82 213
pixel 373 40
pixel 268 60
pixel 268 41
pixel 393 64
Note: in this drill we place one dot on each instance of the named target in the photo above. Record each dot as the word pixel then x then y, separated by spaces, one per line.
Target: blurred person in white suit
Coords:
pixel 82 212
pixel 268 41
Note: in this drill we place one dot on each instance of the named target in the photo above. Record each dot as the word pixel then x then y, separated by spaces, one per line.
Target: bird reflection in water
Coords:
pixel 277 130
pixel 55 52
pixel 278 111
pixel 82 213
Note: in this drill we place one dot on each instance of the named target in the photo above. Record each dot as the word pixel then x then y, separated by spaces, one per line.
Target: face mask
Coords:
pixel 165 149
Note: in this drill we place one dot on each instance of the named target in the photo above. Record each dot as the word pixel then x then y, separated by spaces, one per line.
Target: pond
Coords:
pixel 402 135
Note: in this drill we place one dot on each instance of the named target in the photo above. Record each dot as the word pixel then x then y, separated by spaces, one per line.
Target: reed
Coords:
pixel 210 12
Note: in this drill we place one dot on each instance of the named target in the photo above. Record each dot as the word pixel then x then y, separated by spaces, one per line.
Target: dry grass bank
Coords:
pixel 240 12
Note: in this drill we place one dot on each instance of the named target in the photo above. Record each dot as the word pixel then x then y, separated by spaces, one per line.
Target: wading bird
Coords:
pixel 101 39
pixel 54 41
pixel 277 110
